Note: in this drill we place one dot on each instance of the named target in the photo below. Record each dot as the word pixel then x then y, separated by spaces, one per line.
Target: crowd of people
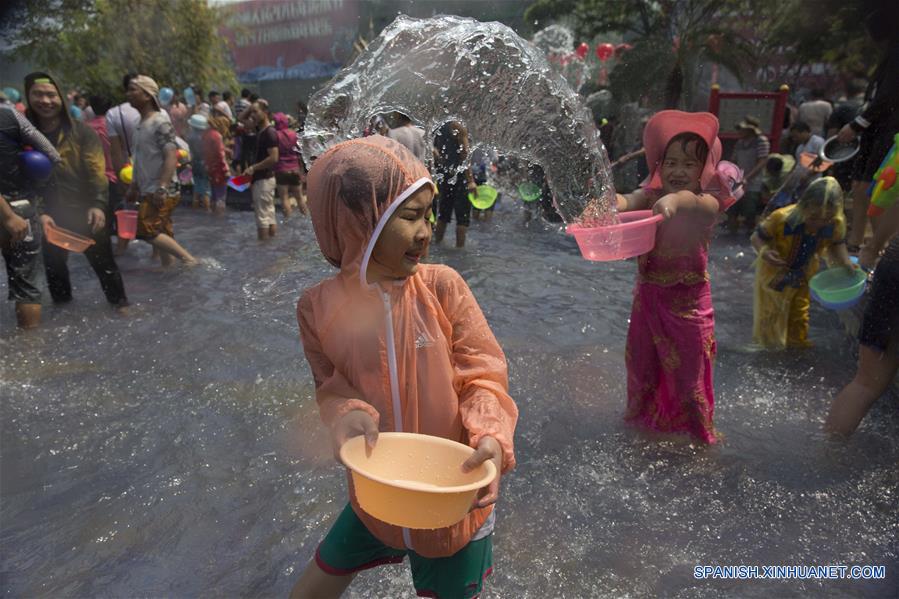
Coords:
pixel 418 354
pixel 142 154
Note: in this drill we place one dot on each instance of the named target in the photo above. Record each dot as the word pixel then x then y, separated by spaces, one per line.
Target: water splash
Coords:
pixel 483 74
pixel 555 39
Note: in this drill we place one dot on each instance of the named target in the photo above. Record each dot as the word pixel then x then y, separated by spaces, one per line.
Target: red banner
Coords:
pixel 291 39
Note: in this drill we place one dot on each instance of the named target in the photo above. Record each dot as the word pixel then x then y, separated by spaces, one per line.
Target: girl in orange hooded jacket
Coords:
pixel 395 345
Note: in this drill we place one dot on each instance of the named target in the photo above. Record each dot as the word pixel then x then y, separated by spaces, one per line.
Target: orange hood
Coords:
pixel 353 190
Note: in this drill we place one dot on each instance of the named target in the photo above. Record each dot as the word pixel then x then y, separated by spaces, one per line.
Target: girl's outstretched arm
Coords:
pixel 672 203
pixel 635 200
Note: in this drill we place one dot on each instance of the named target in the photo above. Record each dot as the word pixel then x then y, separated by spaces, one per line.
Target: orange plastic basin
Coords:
pixel 66 239
pixel 414 481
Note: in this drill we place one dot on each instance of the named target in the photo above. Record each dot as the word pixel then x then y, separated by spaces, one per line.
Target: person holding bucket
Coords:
pixel 154 183
pixel 395 345
pixel 671 339
pixel 789 243
pixel 79 194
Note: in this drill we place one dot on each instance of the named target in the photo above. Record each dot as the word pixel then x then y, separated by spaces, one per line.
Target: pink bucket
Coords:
pixel 633 236
pixel 127 223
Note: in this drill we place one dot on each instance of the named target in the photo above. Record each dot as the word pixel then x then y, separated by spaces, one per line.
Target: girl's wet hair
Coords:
pixel 359 187
pixel 701 151
pixel 356 189
pixel 823 194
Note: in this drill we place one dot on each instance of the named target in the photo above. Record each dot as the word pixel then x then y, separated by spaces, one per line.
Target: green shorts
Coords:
pixel 350 547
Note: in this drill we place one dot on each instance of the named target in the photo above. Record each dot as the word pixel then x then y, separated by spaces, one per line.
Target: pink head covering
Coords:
pixel 665 125
pixel 280 121
pixel 722 182
pixel 353 190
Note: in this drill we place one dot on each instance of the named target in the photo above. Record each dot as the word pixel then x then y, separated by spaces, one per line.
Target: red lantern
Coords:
pixel 605 51
pixel 582 50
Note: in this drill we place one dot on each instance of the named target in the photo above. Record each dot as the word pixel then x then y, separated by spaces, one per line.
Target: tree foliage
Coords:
pixel 831 32
pixel 92 43
pixel 672 38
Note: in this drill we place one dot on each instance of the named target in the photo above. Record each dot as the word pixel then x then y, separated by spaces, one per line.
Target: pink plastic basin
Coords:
pixel 127 223
pixel 635 235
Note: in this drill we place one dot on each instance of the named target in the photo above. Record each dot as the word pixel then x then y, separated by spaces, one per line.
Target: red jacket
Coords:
pixel 214 157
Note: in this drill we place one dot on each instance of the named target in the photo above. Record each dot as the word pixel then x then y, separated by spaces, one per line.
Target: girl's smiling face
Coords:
pixel 404 240
pixel 681 167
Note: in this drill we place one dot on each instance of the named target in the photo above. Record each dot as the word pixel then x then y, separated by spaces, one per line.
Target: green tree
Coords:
pixel 835 36
pixel 762 42
pixel 670 38
pixel 92 43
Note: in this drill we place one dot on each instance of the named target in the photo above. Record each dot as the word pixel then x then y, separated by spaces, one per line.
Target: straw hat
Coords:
pixel 149 86
pixel 750 122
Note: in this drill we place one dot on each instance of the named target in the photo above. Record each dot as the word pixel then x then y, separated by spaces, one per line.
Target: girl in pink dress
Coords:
pixel 671 339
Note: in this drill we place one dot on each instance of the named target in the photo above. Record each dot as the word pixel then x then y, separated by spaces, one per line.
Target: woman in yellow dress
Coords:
pixel 789 244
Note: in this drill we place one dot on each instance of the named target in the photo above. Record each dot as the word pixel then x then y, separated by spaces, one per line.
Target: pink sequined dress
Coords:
pixel 671 340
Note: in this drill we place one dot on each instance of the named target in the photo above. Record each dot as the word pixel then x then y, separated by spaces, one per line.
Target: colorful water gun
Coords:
pixel 884 190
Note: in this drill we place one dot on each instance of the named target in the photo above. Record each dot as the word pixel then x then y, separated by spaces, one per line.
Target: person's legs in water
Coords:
pixel 445 204
pixel 488 214
pixel 201 193
pixel 296 191
pixel 121 246
pixel 28 316
pixel 878 357
pixel 439 231
pixel 169 249
pixel 154 225
pixel 315 583
pixel 346 550
pixel 58 283
pixel 462 210
pixel 101 259
pixel 219 195
pixel 876 370
pixel 25 275
pixel 284 195
pixel 460 236
pixel 263 192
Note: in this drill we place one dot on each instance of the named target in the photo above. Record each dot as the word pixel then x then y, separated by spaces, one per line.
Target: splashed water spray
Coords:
pixel 486 76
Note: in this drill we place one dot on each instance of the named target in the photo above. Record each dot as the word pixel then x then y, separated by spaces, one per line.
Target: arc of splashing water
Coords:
pixel 483 74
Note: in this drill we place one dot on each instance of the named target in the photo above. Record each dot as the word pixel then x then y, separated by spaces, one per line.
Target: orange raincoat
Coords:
pixel 417 354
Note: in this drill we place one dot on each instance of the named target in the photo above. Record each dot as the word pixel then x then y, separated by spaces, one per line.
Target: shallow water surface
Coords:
pixel 178 452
